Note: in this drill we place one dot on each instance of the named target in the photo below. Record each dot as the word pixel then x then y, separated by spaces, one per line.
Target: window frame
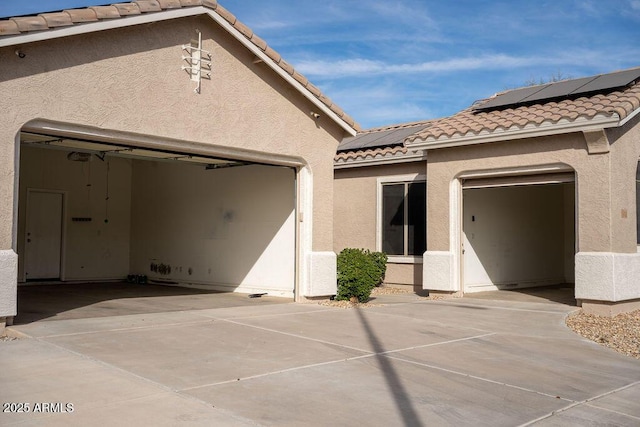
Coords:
pixel 388 180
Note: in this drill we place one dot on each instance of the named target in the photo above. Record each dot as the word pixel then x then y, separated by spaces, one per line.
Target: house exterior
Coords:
pixel 532 187
pixel 165 139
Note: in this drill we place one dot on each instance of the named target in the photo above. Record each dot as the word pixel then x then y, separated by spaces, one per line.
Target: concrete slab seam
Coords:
pixel 613 411
pixel 297 336
pixel 551 414
pixel 280 371
pixel 102 363
pixel 383 353
pixel 313 365
pixel 501 308
pixel 259 316
pixel 133 328
pixel 451 371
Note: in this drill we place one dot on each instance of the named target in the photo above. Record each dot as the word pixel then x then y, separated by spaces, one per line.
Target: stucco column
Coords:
pixel 8 256
pixel 608 262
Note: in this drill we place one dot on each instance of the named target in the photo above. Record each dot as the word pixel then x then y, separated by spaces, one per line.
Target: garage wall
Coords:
pixel 518 236
pixel 94 249
pixel 232 228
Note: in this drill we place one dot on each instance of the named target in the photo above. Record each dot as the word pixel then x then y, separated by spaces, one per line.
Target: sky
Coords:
pixel 397 61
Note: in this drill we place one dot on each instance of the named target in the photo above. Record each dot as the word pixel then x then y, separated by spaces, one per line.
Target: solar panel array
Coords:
pixel 385 138
pixel 565 89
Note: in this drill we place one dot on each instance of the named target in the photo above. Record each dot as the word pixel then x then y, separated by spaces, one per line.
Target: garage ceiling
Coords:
pixel 102 150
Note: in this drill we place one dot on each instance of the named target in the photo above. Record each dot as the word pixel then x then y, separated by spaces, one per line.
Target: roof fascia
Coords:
pixel 630 116
pixel 379 162
pixel 534 132
pixel 165 15
pixel 106 24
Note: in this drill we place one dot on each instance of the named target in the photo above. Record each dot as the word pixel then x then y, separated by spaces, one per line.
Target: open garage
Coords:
pixel 182 150
pixel 518 233
pixel 93 212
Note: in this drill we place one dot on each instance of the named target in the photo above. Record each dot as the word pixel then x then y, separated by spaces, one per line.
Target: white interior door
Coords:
pixel 43 235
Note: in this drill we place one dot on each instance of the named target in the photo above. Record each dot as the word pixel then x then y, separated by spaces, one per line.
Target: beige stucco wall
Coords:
pixel 625 152
pixel 131 80
pixel 355 213
pixel 594 191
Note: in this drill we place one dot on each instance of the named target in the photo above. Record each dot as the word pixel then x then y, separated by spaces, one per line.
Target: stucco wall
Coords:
pixel 232 228
pixel 625 152
pixel 594 191
pixel 355 213
pixel 131 80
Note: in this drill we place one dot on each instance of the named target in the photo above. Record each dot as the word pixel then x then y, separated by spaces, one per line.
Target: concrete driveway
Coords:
pixel 410 362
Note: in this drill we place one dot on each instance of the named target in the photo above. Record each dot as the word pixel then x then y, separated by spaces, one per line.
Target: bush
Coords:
pixel 359 271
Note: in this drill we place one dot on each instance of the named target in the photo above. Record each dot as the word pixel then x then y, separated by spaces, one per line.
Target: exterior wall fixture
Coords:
pixel 198 61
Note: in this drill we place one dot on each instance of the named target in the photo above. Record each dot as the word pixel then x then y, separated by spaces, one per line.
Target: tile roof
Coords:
pixel 378 142
pixel 469 122
pixel 49 21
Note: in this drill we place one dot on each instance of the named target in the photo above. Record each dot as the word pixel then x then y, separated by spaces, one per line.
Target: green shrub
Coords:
pixel 359 271
pixel 380 260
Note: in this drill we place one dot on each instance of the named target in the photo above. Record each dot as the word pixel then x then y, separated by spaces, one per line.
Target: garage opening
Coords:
pixel 519 233
pixel 95 212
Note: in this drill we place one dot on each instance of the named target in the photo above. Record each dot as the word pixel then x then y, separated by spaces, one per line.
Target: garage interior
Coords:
pixel 94 212
pixel 520 235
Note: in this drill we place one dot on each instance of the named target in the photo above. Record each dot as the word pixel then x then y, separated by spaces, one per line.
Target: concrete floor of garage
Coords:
pixel 409 361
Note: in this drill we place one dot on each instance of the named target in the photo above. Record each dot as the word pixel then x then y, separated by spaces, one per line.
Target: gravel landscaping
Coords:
pixel 620 333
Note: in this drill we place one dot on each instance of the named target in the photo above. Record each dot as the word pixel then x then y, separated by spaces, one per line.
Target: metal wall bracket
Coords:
pixel 198 61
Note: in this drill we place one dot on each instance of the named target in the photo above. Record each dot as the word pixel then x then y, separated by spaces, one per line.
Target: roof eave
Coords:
pixel 533 132
pixel 168 14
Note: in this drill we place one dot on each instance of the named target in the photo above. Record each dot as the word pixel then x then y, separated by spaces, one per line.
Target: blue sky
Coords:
pixel 395 61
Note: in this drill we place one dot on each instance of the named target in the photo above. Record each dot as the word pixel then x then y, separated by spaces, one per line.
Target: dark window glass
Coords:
pixel 404 218
pixel 393 219
pixel 417 218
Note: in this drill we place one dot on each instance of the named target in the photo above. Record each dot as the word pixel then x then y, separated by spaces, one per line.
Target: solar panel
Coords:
pixel 511 97
pixel 557 90
pixel 564 89
pixel 386 138
pixel 611 81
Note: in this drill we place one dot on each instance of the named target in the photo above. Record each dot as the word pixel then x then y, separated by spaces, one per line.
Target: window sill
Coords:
pixel 400 259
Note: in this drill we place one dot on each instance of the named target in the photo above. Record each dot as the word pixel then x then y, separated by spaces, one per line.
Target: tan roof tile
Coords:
pixel 230 17
pixel 45 21
pixel 470 122
pixel 56 19
pixel 30 23
pixel 187 3
pixel 259 42
pixel 275 56
pixel 125 9
pixel 246 31
pixel 286 66
pixel 170 4
pixel 106 12
pixel 8 27
pixel 148 6
pixel 82 15
pixel 211 4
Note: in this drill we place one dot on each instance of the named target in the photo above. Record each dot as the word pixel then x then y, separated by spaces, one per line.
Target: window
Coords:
pixel 404 220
